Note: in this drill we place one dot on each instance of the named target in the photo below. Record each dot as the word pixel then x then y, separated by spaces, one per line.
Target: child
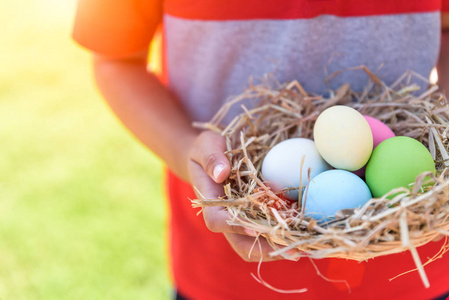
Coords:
pixel 211 48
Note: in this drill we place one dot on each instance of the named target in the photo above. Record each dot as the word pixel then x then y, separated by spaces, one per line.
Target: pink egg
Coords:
pixel 381 132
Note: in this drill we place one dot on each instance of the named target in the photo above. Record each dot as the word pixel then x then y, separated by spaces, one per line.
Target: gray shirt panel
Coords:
pixel 209 61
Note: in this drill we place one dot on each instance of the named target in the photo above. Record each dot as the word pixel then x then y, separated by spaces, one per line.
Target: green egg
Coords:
pixel 396 162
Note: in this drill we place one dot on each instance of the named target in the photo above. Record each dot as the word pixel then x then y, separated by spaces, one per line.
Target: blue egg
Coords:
pixel 333 190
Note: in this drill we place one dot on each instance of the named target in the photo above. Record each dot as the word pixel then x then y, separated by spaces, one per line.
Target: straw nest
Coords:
pixel 383 226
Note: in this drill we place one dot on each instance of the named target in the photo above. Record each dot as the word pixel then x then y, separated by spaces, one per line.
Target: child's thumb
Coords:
pixel 209 153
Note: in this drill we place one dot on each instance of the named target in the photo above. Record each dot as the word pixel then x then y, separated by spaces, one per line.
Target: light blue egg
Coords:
pixel 333 190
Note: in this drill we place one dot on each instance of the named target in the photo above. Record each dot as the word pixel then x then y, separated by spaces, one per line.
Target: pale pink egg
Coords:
pixel 380 131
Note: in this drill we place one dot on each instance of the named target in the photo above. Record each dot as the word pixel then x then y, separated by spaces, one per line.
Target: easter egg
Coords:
pixel 380 132
pixel 396 162
pixel 343 137
pixel 281 167
pixel 333 190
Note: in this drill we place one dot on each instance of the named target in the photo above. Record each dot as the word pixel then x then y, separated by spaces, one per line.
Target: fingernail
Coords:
pixel 291 252
pixel 249 232
pixel 217 170
pixel 293 259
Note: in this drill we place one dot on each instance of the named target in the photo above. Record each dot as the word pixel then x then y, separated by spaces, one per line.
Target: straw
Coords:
pixel 383 226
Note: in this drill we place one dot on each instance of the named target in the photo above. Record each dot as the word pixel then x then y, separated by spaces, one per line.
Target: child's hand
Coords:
pixel 208 168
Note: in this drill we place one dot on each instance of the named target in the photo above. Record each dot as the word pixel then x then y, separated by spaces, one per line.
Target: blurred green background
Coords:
pixel 81 206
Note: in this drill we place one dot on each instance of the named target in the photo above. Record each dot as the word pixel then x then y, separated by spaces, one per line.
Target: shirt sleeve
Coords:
pixel 116 27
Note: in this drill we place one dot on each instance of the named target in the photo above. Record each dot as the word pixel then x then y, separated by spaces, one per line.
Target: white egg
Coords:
pixel 281 167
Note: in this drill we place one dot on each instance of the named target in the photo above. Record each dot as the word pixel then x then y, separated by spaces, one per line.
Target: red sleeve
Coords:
pixel 445 6
pixel 117 27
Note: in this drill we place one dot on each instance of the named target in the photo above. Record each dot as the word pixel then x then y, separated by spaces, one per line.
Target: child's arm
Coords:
pixel 154 116
pixel 146 108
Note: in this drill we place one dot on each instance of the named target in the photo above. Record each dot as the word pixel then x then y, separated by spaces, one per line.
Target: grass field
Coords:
pixel 81 205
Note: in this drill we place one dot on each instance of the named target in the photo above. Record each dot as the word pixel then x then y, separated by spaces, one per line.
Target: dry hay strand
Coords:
pixel 383 226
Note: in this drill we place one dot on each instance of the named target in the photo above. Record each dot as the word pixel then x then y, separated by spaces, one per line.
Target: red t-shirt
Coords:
pixel 203 264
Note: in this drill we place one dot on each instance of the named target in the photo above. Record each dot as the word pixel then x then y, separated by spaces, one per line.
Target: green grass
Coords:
pixel 81 207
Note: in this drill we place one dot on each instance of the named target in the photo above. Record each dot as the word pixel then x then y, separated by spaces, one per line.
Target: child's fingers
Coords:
pixel 252 250
pixel 216 219
pixel 209 153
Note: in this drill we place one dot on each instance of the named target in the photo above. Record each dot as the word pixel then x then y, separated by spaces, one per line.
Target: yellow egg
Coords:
pixel 343 137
